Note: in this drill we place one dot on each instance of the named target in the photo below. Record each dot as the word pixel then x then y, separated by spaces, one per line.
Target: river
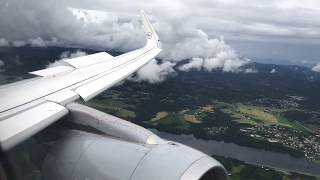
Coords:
pixel 249 155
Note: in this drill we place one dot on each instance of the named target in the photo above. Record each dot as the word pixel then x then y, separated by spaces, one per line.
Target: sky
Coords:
pixel 213 34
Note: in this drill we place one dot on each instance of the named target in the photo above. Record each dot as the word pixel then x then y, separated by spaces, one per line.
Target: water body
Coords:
pixel 247 154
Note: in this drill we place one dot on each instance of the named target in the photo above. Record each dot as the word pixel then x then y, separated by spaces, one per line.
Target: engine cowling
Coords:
pixel 84 155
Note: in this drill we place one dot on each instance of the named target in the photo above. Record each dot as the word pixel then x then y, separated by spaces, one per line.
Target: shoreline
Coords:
pixel 257 157
pixel 282 169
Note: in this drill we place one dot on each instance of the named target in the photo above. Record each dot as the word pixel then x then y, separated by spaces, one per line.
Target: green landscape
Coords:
pixel 261 120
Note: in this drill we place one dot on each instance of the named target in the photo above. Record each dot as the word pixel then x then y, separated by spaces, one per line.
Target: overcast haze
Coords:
pixel 213 34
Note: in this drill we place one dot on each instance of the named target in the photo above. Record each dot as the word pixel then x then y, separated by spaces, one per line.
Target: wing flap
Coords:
pixel 62 97
pixel 21 126
pixel 52 71
pixel 83 61
pixel 101 56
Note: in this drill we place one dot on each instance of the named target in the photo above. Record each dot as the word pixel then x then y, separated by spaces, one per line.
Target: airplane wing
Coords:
pixel 28 106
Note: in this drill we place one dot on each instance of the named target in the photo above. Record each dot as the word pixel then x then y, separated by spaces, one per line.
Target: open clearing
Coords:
pixel 191 118
pixel 258 114
pixel 159 115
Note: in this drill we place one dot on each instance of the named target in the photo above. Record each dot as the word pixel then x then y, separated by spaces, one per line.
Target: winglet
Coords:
pixel 151 35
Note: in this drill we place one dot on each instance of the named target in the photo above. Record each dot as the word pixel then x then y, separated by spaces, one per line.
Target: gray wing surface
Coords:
pixel 28 106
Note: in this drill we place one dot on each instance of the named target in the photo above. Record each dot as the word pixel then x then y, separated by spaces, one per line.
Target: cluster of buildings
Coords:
pixel 212 131
pixel 307 143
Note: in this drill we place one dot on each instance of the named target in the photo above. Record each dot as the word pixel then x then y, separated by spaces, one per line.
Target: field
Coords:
pixel 182 119
pixel 115 107
pixel 290 124
pixel 191 118
pixel 256 114
pixel 159 115
pixel 259 115
pixel 175 120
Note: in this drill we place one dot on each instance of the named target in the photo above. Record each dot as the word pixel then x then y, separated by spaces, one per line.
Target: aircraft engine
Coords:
pixel 120 150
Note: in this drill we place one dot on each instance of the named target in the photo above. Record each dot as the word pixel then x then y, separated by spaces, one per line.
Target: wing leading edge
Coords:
pixel 29 106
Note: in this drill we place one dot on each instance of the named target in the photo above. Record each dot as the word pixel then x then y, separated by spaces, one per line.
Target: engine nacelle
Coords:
pixel 83 155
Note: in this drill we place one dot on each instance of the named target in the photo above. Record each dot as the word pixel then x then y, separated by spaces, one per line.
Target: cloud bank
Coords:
pixel 273 20
pixel 188 29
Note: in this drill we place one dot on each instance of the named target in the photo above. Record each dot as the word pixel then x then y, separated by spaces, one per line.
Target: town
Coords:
pixel 309 144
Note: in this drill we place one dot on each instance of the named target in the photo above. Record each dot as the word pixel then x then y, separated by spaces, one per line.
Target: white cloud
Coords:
pixel 37 42
pixel 204 52
pixel 3 42
pixel 89 17
pixel 251 71
pixel 316 68
pixel 195 63
pixel 66 55
pixel 273 71
pixel 33 42
pixel 18 43
pixel 228 61
pixel 154 72
pixel 1 63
